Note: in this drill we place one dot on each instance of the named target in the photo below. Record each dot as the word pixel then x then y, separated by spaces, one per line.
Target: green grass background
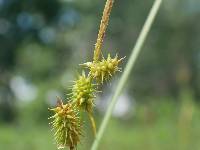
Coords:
pixel 152 126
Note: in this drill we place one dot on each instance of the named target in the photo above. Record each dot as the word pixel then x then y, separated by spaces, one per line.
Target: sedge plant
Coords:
pixel 129 66
pixel 66 121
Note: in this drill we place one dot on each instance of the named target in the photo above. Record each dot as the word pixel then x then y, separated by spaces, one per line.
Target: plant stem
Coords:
pixel 127 70
pixel 92 123
pixel 102 28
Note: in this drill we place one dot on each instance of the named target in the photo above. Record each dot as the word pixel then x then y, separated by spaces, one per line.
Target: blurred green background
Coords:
pixel 43 41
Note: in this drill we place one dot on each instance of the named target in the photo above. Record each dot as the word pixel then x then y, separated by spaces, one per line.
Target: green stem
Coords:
pixel 135 52
pixel 92 123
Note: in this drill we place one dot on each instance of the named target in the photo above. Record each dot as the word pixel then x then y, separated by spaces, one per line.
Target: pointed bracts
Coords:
pixel 103 70
pixel 66 125
pixel 83 93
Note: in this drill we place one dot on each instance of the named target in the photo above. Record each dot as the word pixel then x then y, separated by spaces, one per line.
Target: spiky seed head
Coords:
pixel 104 69
pixel 66 125
pixel 83 92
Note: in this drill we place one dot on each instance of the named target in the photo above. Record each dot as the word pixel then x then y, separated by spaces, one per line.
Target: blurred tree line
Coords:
pixel 43 41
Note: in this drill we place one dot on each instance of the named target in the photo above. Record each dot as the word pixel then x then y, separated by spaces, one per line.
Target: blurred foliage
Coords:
pixel 41 43
pixel 154 126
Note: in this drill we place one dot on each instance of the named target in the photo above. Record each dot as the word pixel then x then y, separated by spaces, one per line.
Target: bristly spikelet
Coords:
pixel 83 93
pixel 104 69
pixel 66 125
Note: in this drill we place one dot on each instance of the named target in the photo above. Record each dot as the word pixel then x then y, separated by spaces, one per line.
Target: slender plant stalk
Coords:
pixel 102 28
pixel 92 123
pixel 135 52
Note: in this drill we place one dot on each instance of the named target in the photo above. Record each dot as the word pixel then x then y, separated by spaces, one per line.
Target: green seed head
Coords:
pixel 66 125
pixel 104 69
pixel 83 93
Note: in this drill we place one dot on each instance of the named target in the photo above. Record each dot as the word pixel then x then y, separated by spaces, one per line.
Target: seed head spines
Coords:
pixel 104 69
pixel 83 93
pixel 66 125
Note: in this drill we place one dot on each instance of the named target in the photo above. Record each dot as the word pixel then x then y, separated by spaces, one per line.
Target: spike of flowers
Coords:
pixel 83 93
pixel 66 125
pixel 104 69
